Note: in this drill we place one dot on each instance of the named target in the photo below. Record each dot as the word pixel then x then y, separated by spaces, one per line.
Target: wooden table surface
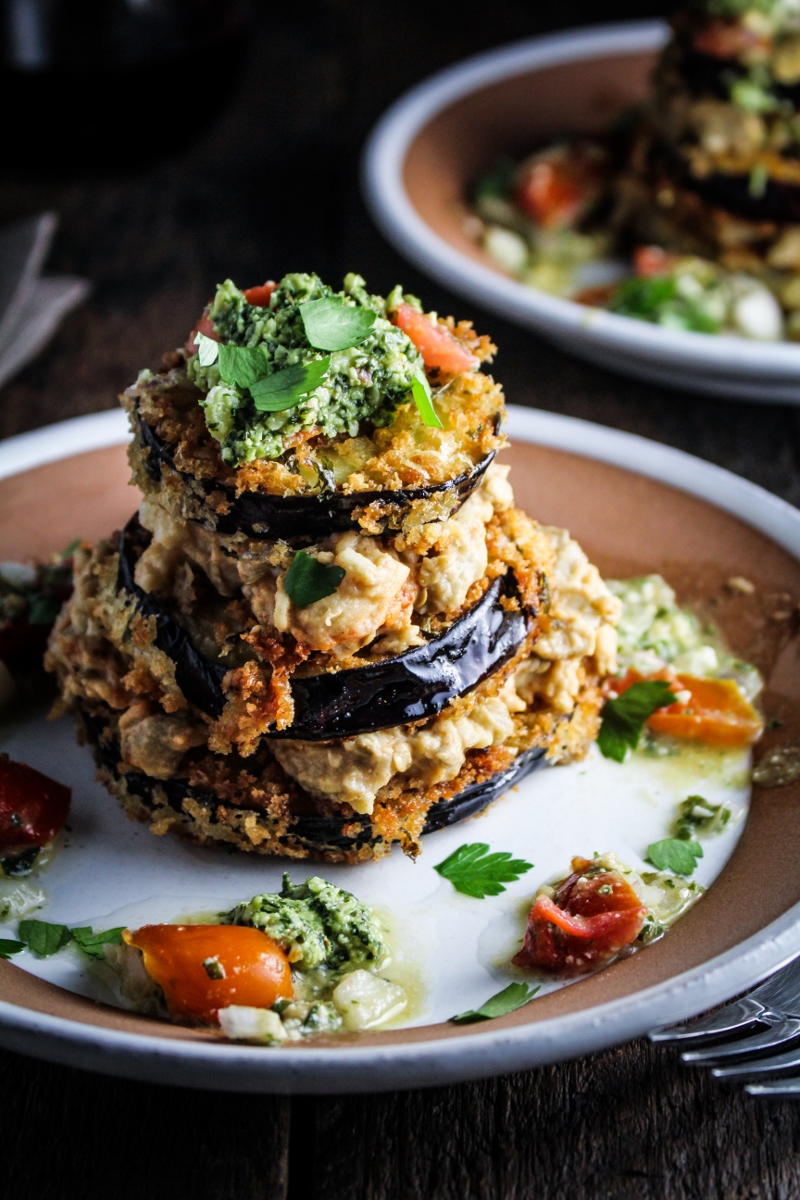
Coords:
pixel 271 187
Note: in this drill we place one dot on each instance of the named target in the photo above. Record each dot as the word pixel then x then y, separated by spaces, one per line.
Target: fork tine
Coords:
pixel 761 1066
pixel 775 1087
pixel 738 1015
pixel 781 1031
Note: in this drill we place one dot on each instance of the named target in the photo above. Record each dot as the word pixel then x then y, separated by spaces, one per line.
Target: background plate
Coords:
pixel 700 528
pixel 430 146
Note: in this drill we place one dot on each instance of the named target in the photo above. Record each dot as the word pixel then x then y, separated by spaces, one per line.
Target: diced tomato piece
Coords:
pixel 202 968
pixel 33 807
pixel 653 260
pixel 726 39
pixel 593 915
pixel 259 296
pixel 557 187
pixel 715 712
pixel 439 349
pixel 204 325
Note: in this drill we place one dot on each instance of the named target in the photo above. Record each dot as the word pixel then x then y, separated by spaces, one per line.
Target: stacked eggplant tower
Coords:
pixel 328 628
pixel 715 168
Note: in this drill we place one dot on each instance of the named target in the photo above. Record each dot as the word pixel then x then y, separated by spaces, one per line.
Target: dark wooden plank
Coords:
pixel 629 1124
pixel 69 1134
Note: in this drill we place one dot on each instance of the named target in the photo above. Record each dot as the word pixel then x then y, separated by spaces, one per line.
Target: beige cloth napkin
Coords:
pixel 31 306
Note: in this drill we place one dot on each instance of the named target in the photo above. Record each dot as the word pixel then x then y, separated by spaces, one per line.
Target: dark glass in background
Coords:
pixel 92 86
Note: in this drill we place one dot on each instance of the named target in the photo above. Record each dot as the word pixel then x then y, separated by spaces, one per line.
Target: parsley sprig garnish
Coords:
pixel 473 871
pixel 624 716
pixel 511 998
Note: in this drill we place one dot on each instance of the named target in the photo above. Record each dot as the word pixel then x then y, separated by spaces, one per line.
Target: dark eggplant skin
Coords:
pixel 408 687
pixel 199 679
pixel 260 515
pixel 779 202
pixel 320 833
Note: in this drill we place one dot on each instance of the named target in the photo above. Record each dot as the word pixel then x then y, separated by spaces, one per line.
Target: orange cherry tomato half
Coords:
pixel 439 349
pixel 33 807
pixel 594 914
pixel 716 712
pixel 260 296
pixel 242 966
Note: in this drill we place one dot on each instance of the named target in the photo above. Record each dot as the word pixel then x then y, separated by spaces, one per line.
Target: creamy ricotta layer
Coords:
pixel 387 586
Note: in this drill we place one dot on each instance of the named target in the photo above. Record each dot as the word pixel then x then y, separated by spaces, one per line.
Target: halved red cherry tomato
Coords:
pixel 204 325
pixel 594 914
pixel 33 807
pixel 260 295
pixel 557 187
pixel 715 712
pixel 653 260
pixel 439 349
pixel 203 968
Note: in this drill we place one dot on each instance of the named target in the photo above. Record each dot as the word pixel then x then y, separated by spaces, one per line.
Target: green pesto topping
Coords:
pixel 317 924
pixel 342 360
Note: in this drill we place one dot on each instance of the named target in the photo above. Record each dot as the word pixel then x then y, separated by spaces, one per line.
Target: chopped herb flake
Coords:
pixel 309 580
pixel 330 324
pixel 285 389
pixel 625 717
pixel 9 946
pixel 207 350
pixel 420 390
pixel 42 937
pixel 92 943
pixel 243 365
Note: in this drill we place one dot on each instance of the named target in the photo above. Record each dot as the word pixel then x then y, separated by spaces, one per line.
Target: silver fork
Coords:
pixel 774 1009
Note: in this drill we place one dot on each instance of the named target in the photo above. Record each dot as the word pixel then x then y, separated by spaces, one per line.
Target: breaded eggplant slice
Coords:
pixel 395 477
pixel 252 806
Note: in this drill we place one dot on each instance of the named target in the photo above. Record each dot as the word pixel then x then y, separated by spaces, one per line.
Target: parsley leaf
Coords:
pixel 421 391
pixel 43 938
pixel 511 998
pixel 9 946
pixel 675 854
pixel 473 871
pixel 92 943
pixel 207 350
pixel 624 717
pixel 309 580
pixel 284 389
pixel 243 366
pixel 330 324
